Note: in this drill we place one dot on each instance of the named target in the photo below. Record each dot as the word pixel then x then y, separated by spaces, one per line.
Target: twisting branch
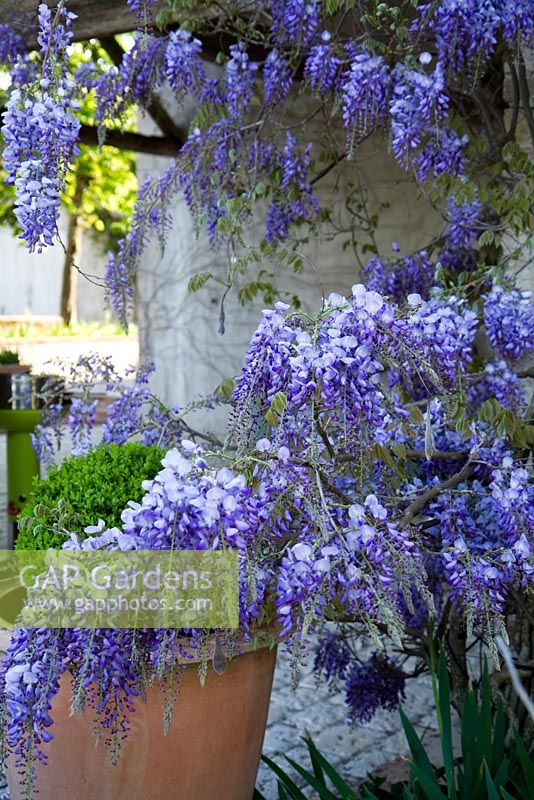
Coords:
pixel 515 100
pixel 329 167
pixel 433 491
pixel 525 94
pixel 416 455
pixel 514 676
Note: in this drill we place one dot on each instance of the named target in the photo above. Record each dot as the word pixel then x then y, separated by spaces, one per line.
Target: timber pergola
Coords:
pixel 102 20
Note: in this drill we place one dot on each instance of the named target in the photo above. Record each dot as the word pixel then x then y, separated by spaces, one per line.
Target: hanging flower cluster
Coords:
pixel 509 320
pixel 230 159
pixel 40 130
pixel 303 493
pixel 397 280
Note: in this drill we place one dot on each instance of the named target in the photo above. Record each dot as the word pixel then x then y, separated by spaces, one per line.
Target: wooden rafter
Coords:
pixel 126 140
pixel 155 107
pixel 95 18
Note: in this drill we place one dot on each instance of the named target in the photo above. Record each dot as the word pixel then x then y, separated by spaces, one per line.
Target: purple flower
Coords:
pixel 397 280
pixel 377 683
pixel 365 91
pixel 81 420
pixel 419 110
pixel 277 78
pixel 509 321
pixel 295 21
pixel 240 81
pixel 332 658
pixel 40 133
pixel 497 382
pixel 322 66
pixel 12 44
pixel 183 66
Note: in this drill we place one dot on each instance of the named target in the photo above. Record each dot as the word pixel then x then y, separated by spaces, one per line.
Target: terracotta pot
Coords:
pixel 212 751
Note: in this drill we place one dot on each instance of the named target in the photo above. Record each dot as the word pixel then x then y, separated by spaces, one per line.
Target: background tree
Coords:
pixel 99 195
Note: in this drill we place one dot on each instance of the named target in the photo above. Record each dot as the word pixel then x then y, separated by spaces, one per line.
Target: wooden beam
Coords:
pixel 95 18
pixel 137 142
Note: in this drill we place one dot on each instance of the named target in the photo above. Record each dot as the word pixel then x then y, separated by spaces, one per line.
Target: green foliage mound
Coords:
pixel 82 490
pixel 9 357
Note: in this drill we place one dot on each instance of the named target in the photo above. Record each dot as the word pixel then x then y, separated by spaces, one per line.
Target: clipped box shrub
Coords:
pixel 82 490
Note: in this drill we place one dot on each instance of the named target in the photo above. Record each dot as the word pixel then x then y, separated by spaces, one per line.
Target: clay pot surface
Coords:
pixel 211 752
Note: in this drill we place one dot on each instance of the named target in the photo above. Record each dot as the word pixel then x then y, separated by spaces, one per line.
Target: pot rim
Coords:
pixel 15 369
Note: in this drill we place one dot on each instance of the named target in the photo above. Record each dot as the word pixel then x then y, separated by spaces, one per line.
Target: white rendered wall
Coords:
pixel 179 331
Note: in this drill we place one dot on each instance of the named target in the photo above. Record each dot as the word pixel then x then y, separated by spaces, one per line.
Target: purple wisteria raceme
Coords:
pixel 277 78
pixel 364 94
pixel 295 202
pixel 497 382
pixel 442 333
pixel 509 321
pixel 183 66
pixel 397 280
pixel 463 230
pixel 377 683
pixel 419 110
pixel 295 21
pixel 466 32
pixel 40 133
pixel 240 82
pixel 141 69
pixel 150 218
pixel 517 22
pixel 12 44
pixel 332 658
pixel 486 537
pixel 321 67
pixel 81 420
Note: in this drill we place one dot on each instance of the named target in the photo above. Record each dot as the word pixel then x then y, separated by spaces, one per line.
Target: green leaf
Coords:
pixel 272 419
pixel 527 764
pixel 226 388
pixel 279 403
pixel 416 415
pixel 383 454
pixel 399 450
pixel 333 775
pixel 445 724
pixel 492 790
pixel 282 794
pixel 416 747
pixel 488 237
pixel 507 796
pixel 286 781
pixel 428 784
pixel 317 769
pixel 319 786
pixel 197 281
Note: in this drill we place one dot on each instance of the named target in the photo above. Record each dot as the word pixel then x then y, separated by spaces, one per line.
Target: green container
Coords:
pixel 22 461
